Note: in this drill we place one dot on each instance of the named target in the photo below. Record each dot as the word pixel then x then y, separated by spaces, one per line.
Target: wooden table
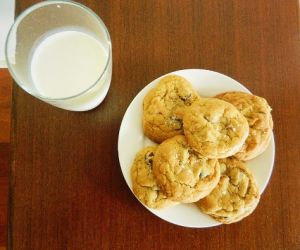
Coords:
pixel 66 187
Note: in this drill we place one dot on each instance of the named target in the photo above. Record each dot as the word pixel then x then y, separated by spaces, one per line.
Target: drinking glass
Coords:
pixel 42 20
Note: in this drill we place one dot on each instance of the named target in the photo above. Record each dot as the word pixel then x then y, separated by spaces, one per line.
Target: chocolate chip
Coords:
pixel 192 151
pixel 149 158
pixel 203 175
pixel 206 118
pixel 186 99
pixel 177 123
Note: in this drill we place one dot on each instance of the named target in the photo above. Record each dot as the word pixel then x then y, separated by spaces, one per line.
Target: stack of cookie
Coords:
pixel 202 146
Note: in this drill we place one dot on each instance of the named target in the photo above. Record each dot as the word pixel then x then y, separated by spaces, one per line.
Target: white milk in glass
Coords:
pixel 65 64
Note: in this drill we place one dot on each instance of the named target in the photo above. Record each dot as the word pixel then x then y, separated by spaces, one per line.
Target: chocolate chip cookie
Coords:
pixel 163 107
pixel 236 195
pixel 215 128
pixel 181 173
pixel 143 182
pixel 258 114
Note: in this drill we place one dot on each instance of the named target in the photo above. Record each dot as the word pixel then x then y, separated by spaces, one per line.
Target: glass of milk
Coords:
pixel 60 52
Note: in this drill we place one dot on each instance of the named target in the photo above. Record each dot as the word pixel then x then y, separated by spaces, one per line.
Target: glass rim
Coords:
pixel 30 9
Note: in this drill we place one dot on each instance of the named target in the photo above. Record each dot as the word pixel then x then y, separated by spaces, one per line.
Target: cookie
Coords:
pixel 163 107
pixel 143 183
pixel 181 173
pixel 236 195
pixel 215 128
pixel 258 114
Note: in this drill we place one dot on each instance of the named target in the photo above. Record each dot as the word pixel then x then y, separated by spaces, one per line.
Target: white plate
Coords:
pixel 132 139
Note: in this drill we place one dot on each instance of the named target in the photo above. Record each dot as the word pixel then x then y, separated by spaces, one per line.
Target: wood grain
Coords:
pixel 5 118
pixel 3 224
pixel 66 187
pixel 5 105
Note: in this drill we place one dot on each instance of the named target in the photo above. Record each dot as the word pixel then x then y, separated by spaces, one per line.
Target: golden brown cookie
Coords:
pixel 236 195
pixel 215 128
pixel 143 183
pixel 181 173
pixel 258 114
pixel 164 107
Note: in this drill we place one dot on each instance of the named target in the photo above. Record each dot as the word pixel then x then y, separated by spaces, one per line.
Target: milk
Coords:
pixel 66 63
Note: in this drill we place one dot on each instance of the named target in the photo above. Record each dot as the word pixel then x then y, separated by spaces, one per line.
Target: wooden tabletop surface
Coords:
pixel 66 187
